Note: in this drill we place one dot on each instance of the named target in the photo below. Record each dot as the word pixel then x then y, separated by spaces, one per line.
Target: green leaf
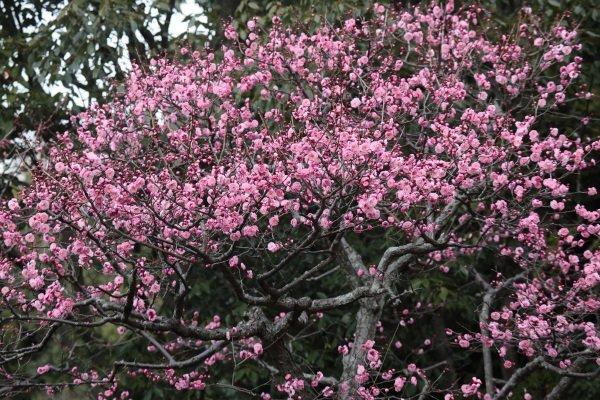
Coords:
pixel 443 295
pixel 104 8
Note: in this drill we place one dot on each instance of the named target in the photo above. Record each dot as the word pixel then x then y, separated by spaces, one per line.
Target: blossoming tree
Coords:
pixel 305 179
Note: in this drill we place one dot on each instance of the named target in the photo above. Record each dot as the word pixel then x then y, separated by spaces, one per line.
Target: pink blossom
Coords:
pixel 273 247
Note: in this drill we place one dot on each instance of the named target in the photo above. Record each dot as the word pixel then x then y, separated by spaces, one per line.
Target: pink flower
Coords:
pixel 43 369
pixel 60 167
pixel 13 205
pixel 151 314
pixel 399 383
pixel 471 389
pixel 273 247
pixel 273 221
pixel 349 24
